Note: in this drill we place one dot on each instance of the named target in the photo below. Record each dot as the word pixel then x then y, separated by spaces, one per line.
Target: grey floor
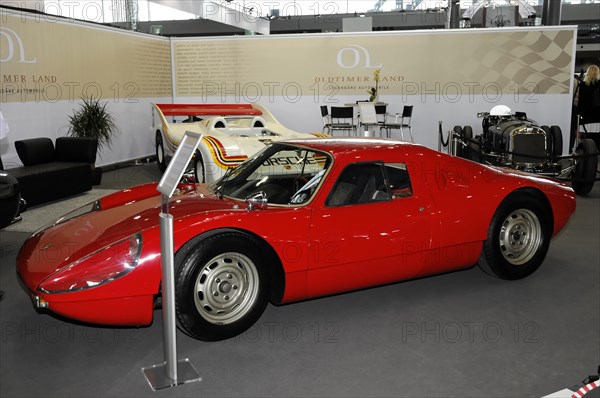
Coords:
pixel 463 334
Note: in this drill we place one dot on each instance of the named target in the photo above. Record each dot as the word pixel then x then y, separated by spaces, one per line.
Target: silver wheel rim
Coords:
pixel 226 288
pixel 520 236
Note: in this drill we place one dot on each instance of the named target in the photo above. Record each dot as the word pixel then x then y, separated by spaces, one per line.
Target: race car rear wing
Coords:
pixel 208 110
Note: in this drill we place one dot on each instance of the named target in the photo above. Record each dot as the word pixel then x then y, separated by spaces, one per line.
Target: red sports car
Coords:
pixel 298 220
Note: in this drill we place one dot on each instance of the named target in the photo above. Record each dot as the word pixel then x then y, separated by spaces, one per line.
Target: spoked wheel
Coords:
pixel 518 237
pixel 221 286
pixel 584 174
pixel 160 153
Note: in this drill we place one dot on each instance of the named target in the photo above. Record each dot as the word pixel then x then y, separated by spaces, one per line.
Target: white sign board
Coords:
pixel 178 164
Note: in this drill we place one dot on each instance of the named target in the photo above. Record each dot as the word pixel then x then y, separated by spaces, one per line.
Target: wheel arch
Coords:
pixel 274 264
pixel 517 243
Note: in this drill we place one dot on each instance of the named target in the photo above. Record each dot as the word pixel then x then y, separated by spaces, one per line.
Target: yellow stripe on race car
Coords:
pixel 219 155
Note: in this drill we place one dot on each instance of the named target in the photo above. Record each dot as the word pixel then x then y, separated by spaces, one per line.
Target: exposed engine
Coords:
pixel 522 141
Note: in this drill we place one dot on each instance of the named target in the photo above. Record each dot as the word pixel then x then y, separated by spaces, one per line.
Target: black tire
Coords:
pixel 199 171
pixel 160 153
pixel 460 150
pixel 230 266
pixel 468 132
pixel 475 150
pixel 518 237
pixel 472 149
pixel 557 142
pixel 584 174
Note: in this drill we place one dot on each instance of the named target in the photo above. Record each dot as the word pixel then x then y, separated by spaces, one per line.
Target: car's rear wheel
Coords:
pixel 160 153
pixel 518 237
pixel 221 285
pixel 584 174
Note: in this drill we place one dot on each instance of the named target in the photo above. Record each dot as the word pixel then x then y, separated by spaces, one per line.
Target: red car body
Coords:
pixel 320 250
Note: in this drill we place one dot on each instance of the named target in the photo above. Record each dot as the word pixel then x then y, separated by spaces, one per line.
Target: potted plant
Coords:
pixel 374 91
pixel 93 120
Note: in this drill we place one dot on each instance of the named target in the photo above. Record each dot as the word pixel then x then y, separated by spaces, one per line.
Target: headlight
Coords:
pixel 88 208
pixel 102 266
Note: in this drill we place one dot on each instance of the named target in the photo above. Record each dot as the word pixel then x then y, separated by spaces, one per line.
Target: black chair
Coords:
pixel 401 122
pixel 342 119
pixel 381 112
pixel 326 119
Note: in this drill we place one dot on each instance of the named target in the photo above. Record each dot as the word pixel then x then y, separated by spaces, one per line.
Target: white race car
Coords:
pixel 230 134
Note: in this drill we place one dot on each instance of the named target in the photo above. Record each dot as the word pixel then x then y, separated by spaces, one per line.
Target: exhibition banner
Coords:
pixel 450 64
pixel 47 59
pixel 447 75
pixel 48 64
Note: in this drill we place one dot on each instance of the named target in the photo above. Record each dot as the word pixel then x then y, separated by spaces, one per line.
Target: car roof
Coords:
pixel 340 145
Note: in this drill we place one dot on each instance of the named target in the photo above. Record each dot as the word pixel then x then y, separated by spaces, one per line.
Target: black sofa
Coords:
pixel 10 199
pixel 50 173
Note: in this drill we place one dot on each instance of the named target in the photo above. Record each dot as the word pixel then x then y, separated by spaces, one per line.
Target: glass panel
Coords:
pixel 102 10
pixel 359 183
pixel 286 174
pixel 399 180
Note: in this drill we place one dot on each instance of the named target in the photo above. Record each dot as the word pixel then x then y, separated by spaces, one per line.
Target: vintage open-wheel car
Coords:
pixel 513 140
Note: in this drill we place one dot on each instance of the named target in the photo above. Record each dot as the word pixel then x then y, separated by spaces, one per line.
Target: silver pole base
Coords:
pixel 156 375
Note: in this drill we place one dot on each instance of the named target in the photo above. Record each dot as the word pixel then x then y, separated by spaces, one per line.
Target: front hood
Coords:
pixel 121 215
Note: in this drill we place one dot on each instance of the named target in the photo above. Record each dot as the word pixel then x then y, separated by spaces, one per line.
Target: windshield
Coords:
pixel 286 174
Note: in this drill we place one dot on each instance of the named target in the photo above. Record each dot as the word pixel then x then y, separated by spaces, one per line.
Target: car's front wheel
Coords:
pixel 518 237
pixel 221 285
pixel 160 153
pixel 199 168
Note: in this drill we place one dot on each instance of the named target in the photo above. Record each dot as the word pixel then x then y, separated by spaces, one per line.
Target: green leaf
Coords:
pixel 93 120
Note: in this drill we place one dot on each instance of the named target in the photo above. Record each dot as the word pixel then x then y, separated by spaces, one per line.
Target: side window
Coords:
pixel 359 183
pixel 399 180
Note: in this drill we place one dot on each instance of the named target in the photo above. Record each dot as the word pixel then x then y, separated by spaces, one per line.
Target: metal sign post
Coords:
pixel 171 372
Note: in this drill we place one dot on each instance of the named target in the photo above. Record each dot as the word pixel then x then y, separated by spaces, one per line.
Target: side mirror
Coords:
pixel 257 200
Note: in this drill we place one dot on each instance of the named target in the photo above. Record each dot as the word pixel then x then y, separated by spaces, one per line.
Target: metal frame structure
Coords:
pixel 525 9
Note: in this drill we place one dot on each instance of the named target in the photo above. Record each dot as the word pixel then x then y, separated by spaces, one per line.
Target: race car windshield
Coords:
pixel 286 174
